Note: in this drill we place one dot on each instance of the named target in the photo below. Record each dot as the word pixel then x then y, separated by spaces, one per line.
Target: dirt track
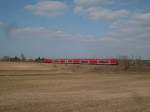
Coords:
pixel 31 87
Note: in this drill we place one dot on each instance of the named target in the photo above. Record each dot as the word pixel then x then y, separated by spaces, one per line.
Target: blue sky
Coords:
pixel 75 28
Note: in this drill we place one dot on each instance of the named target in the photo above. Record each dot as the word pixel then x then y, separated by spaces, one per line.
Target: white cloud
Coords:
pixel 29 32
pixel 134 32
pixel 127 36
pixel 37 32
pixel 131 35
pixel 96 10
pixel 89 3
pixel 43 32
pixel 47 8
pixel 1 23
pixel 101 13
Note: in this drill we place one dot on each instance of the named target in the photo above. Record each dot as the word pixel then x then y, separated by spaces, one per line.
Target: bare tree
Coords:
pixel 124 62
pixel 6 58
pixel 23 58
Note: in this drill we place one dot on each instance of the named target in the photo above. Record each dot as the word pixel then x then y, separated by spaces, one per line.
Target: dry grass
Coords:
pixel 36 87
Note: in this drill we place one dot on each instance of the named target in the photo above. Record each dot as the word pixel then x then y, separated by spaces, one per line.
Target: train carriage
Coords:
pixel 84 61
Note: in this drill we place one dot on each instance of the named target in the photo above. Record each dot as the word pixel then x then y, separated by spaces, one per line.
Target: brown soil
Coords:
pixel 37 87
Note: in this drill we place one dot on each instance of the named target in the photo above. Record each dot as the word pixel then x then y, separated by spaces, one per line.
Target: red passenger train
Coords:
pixel 83 61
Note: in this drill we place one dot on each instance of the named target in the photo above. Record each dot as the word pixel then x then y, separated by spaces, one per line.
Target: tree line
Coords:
pixel 20 58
